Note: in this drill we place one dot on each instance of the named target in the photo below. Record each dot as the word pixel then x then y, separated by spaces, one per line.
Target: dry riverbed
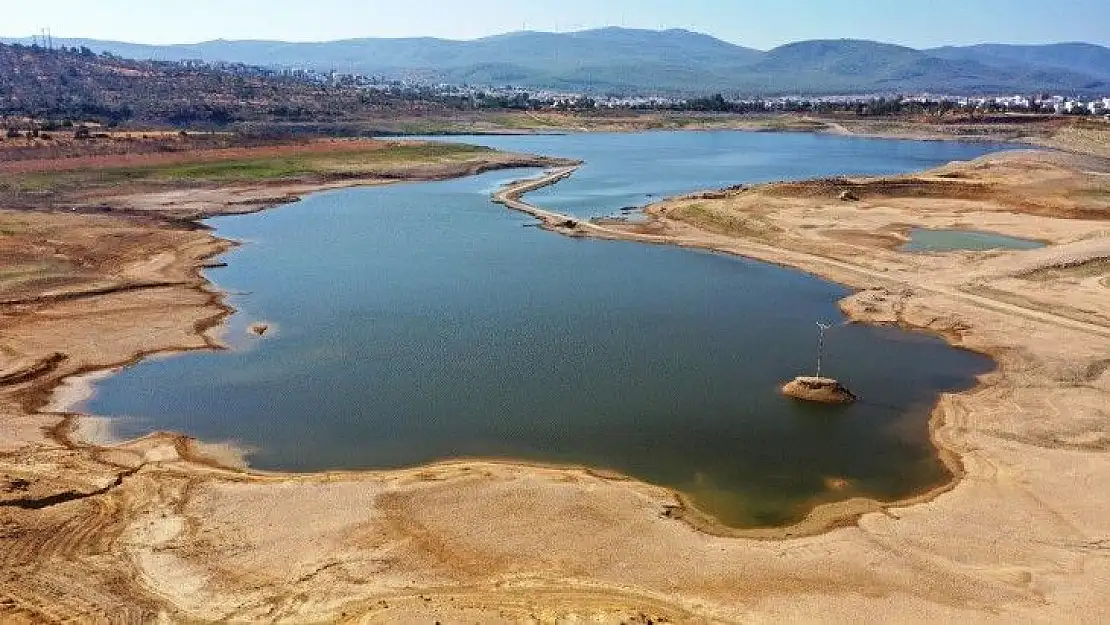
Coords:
pixel 158 527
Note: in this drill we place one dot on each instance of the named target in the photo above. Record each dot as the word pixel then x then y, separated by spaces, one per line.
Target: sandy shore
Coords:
pixel 1073 134
pixel 156 528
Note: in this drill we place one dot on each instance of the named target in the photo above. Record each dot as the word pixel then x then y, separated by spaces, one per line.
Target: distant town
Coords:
pixel 512 97
pixel 43 88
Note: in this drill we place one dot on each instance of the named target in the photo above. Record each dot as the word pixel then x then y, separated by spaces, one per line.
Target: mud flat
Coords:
pixel 156 527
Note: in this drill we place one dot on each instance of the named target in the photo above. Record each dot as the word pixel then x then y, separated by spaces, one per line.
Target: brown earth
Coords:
pixel 819 390
pixel 92 529
pixel 193 184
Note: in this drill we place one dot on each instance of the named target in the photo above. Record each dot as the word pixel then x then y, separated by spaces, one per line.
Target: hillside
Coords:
pixel 596 60
pixel 1073 57
pixel 69 84
pixel 862 66
pixel 617 60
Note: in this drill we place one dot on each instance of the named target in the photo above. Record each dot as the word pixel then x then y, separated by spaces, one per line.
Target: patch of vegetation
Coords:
pixel 261 169
pixel 706 217
pixel 429 127
pixel 349 162
pixel 26 273
pixel 512 121
pixel 30 269
pixel 793 124
pixel 437 152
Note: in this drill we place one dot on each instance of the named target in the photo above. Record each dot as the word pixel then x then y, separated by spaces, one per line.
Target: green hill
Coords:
pixel 1071 57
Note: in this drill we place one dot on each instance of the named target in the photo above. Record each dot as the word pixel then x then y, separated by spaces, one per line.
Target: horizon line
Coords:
pixel 28 38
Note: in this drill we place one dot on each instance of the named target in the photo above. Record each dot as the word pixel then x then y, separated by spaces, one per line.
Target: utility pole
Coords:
pixel 821 328
pixel 816 388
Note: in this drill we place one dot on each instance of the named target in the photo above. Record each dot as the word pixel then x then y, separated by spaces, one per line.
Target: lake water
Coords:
pixel 942 240
pixel 634 169
pixel 421 322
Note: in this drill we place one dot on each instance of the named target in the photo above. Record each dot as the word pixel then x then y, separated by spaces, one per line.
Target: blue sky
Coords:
pixel 755 23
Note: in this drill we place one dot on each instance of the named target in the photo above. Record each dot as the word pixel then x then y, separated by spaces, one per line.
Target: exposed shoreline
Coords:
pixel 78 429
pixel 821 517
pixel 166 458
pixel 1053 133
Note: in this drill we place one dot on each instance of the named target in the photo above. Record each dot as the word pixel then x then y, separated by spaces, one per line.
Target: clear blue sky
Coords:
pixel 755 23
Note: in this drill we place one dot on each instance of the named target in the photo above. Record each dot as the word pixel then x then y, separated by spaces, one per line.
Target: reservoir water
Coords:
pixel 421 322
pixel 943 240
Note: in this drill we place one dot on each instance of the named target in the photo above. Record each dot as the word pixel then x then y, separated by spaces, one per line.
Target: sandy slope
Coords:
pixel 149 528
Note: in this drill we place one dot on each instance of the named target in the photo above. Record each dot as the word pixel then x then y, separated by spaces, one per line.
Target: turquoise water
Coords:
pixel 421 322
pixel 926 240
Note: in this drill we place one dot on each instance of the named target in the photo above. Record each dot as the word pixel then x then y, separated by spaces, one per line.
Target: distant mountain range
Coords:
pixel 627 61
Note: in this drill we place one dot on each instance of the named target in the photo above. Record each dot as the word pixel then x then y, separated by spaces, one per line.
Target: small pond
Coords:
pixel 928 240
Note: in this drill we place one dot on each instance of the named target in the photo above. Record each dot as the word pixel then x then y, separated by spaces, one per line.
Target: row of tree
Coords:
pixel 870 107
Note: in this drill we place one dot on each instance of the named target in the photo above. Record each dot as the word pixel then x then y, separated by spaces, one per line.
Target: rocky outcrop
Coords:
pixel 819 390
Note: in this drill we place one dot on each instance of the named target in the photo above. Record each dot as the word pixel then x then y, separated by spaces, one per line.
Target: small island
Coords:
pixel 818 390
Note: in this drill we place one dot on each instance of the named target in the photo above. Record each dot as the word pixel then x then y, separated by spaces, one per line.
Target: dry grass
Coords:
pixel 321 159
pixel 716 217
